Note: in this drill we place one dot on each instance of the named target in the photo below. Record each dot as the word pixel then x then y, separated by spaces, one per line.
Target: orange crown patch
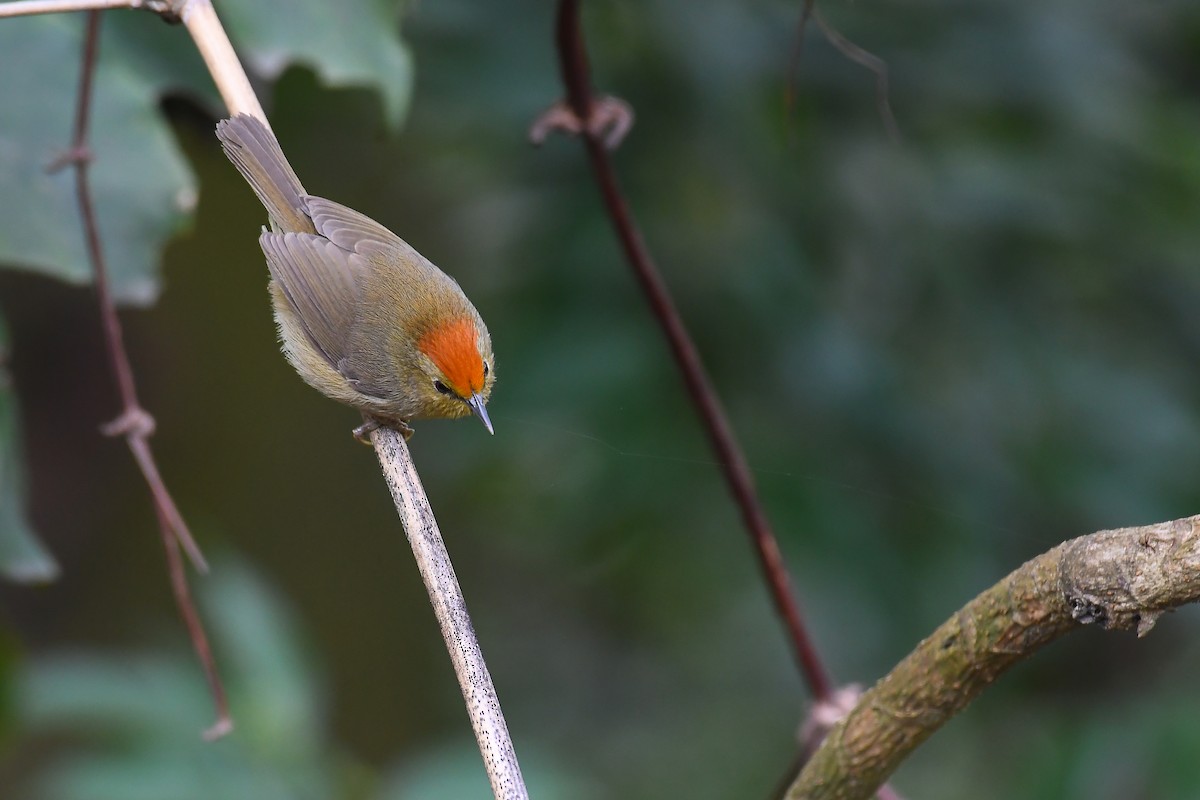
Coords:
pixel 452 347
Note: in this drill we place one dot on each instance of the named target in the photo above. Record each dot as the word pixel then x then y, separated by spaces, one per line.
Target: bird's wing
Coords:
pixel 350 230
pixel 322 282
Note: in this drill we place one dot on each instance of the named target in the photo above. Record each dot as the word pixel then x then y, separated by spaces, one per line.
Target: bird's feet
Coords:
pixel 371 424
pixel 608 120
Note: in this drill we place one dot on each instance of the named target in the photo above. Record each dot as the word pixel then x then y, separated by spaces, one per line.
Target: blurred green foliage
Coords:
pixel 943 357
pixel 143 189
pixel 22 557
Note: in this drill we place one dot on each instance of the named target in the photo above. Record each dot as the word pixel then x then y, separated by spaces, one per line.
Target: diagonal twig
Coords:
pixel 600 122
pixel 22 8
pixel 734 468
pixel 859 55
pixel 450 608
pixel 134 423
pixel 873 63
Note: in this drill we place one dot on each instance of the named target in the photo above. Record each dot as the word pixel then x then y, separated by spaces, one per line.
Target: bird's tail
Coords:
pixel 255 152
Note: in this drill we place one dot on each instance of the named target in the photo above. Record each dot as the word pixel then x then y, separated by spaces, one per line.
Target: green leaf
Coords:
pixel 157 775
pixel 148 699
pixel 133 721
pixel 142 187
pixel 22 557
pixel 276 697
pixel 353 43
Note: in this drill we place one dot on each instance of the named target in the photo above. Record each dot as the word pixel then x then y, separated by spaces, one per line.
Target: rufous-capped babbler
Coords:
pixel 364 318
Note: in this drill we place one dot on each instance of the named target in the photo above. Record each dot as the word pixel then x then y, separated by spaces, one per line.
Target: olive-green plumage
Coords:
pixel 363 317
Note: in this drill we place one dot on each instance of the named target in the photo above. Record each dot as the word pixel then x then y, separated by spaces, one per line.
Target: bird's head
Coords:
pixel 459 369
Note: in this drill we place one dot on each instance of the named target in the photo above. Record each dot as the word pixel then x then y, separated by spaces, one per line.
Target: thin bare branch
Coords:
pixel 1121 579
pixel 22 8
pixel 134 423
pixel 450 608
pixel 191 619
pixel 205 28
pixel 433 561
pixel 877 66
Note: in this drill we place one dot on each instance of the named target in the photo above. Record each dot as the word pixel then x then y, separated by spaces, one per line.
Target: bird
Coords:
pixel 362 316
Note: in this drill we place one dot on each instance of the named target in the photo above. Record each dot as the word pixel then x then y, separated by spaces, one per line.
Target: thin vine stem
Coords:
pixel 734 467
pixel 134 423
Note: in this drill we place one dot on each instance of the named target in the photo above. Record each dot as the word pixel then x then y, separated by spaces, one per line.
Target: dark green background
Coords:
pixel 943 356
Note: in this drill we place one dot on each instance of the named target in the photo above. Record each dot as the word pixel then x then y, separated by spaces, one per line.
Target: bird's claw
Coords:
pixel 370 424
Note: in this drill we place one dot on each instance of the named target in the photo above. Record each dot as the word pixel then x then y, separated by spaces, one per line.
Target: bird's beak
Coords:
pixel 476 401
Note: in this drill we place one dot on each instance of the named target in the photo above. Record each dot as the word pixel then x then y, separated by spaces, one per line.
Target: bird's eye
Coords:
pixel 486 370
pixel 441 387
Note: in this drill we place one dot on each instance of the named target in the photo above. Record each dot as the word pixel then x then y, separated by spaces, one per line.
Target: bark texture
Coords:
pixel 1119 579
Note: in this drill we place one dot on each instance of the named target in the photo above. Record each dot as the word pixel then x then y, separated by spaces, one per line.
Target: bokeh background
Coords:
pixel 943 355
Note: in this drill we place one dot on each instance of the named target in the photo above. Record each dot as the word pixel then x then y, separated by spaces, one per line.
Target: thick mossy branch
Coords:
pixel 1121 579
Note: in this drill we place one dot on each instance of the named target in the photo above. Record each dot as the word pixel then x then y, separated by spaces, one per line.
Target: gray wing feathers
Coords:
pixel 351 230
pixel 322 283
pixel 255 152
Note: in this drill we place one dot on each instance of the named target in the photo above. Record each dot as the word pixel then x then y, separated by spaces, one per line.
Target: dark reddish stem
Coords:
pixel 573 59
pixel 135 423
